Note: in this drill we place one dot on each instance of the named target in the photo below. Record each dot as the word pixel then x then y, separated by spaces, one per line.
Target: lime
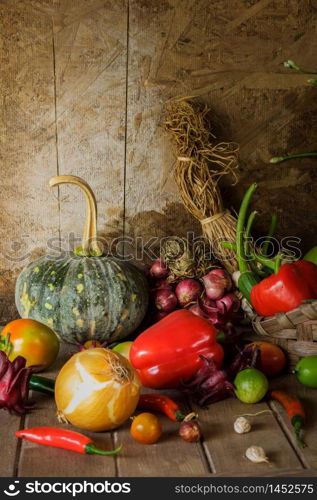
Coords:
pixel 124 349
pixel 251 385
pixel 306 371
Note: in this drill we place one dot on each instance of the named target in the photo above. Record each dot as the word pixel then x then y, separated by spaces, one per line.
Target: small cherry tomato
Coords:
pixel 272 359
pixel 37 343
pixel 146 428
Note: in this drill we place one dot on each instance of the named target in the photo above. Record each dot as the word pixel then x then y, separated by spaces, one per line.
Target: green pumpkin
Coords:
pixel 83 295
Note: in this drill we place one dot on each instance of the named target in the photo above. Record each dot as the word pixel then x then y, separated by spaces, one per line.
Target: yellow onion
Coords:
pixel 96 390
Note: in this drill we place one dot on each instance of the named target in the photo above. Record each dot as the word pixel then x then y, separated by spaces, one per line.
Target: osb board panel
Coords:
pixel 99 114
pixel 230 55
pixel 27 139
pixel 90 65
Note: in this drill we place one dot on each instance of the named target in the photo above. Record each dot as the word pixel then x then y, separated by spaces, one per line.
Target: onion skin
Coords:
pixel 97 390
pixel 158 269
pixel 187 291
pixel 190 431
pixel 217 282
pixel 165 300
pixel 197 310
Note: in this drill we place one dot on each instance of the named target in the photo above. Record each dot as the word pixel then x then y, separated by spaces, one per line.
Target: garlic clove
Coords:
pixel 242 425
pixel 256 454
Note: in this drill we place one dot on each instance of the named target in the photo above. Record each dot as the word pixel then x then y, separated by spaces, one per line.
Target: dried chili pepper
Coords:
pixel 163 404
pixel 63 438
pixel 295 412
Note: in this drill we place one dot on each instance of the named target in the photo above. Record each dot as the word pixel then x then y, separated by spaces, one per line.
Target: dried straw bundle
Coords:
pixel 185 258
pixel 200 163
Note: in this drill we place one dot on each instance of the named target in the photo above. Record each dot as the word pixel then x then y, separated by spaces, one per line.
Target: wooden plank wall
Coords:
pixel 83 85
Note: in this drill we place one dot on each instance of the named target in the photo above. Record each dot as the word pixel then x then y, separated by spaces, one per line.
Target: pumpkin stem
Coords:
pixel 89 244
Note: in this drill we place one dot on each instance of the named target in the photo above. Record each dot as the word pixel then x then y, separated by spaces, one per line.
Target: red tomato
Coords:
pixel 146 428
pixel 37 343
pixel 272 359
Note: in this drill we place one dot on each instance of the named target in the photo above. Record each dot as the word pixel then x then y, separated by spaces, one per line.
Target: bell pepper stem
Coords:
pixel 279 159
pixel 91 449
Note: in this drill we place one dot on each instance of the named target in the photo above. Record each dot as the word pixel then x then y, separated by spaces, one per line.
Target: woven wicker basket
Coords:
pixel 295 331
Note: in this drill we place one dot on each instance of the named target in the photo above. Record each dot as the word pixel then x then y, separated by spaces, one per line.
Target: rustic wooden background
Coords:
pixel 82 89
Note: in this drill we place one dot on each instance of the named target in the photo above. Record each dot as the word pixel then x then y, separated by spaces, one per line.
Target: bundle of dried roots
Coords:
pixel 200 163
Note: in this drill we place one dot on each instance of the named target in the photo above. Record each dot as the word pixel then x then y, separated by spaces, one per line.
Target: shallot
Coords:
pixel 217 282
pixel 228 304
pixel 165 300
pixel 158 269
pixel 162 283
pixel 187 291
pixel 197 310
pixel 190 431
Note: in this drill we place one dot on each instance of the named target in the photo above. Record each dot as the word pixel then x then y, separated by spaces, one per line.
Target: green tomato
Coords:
pixel 306 371
pixel 251 385
pixel 124 349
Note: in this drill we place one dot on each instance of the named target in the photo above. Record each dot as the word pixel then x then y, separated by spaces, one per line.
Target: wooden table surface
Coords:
pixel 220 453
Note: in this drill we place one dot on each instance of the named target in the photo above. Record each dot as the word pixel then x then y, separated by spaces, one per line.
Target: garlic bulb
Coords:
pixel 242 425
pixel 256 454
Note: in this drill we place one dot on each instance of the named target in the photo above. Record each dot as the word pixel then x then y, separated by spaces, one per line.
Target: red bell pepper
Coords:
pixel 169 352
pixel 285 290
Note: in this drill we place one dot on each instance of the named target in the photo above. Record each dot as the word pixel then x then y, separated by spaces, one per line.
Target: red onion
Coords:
pixel 217 282
pixel 196 309
pixel 228 304
pixel 162 283
pixel 160 315
pixel 165 300
pixel 187 291
pixel 190 431
pixel 208 306
pixel 158 269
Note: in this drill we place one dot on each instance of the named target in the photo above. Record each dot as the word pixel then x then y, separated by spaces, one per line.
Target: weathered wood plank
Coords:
pixel 170 456
pixel 42 461
pixel 29 215
pixel 226 448
pixel 308 397
pixel 152 204
pixel 90 65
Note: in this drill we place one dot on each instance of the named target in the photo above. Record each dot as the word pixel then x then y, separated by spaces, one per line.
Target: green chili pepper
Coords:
pixel 248 279
pixel 42 384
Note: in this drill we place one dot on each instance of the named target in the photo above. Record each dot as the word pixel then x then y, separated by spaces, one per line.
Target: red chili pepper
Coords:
pixel 63 438
pixel 295 412
pixel 169 352
pixel 282 292
pixel 162 403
